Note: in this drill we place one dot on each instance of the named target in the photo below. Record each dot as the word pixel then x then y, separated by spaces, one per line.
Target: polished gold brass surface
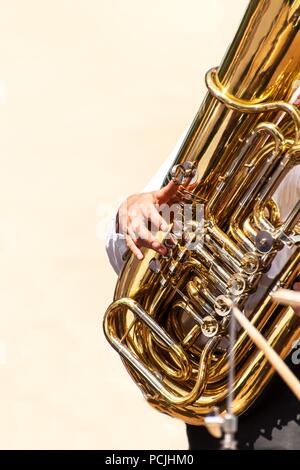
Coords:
pixel 170 324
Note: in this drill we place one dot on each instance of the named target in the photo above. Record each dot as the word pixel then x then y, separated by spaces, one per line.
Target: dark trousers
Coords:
pixel 273 422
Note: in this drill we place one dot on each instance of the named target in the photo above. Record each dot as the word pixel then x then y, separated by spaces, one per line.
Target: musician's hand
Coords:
pixel 296 286
pixel 135 214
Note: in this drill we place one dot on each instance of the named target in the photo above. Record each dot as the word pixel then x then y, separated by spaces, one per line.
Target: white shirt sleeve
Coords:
pixel 286 196
pixel 116 247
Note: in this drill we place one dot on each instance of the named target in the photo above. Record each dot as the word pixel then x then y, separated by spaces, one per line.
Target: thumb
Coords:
pixel 166 193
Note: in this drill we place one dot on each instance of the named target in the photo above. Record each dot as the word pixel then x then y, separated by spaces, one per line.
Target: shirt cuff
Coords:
pixel 116 247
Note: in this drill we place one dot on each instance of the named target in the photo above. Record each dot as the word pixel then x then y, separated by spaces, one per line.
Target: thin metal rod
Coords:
pixel 231 361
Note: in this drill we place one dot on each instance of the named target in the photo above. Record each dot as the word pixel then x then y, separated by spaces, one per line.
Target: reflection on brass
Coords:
pixel 170 316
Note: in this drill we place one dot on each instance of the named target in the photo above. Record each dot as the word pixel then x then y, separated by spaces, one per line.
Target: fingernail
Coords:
pixel 164 227
pixel 140 256
pixel 155 245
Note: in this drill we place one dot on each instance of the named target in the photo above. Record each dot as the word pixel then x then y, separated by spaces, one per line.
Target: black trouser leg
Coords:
pixel 273 422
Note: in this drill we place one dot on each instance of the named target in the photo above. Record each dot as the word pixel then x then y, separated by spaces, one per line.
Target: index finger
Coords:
pixel 167 193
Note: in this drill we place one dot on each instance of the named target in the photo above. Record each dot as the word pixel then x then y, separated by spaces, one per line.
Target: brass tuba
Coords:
pixel 170 316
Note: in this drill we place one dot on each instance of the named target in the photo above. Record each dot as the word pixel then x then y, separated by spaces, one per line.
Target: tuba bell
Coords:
pixel 170 317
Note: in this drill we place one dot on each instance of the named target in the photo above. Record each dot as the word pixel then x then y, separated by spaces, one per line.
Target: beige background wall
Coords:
pixel 93 96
